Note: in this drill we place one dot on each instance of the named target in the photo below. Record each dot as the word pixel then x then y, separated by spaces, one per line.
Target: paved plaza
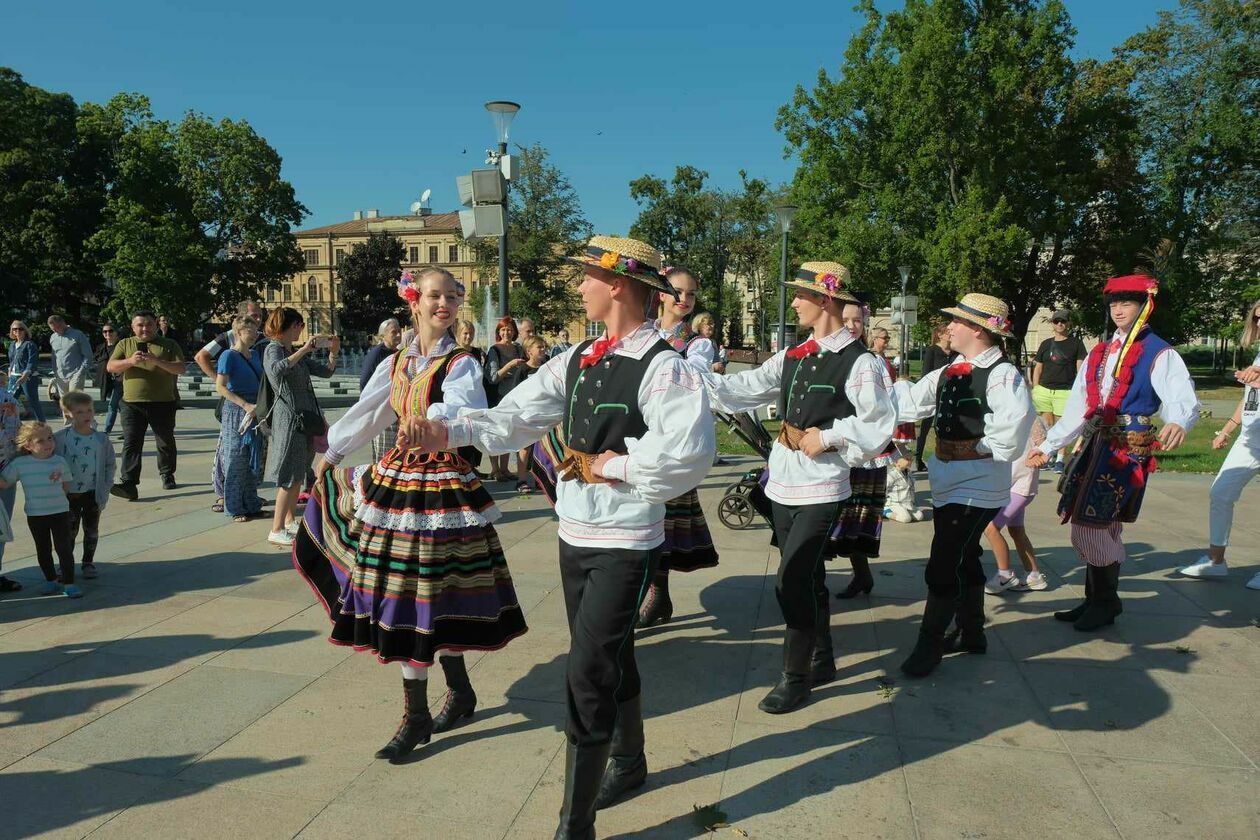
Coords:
pixel 192 693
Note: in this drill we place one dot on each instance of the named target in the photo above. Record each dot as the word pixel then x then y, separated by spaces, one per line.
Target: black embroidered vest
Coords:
pixel 813 387
pixel 962 402
pixel 603 399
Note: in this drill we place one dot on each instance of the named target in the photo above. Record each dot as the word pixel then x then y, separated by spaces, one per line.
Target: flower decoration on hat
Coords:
pixel 999 323
pixel 610 260
pixel 830 282
pixel 407 288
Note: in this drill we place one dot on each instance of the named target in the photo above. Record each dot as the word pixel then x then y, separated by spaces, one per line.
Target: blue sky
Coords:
pixel 370 103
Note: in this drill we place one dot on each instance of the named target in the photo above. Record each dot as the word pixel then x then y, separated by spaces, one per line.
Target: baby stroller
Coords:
pixel 746 498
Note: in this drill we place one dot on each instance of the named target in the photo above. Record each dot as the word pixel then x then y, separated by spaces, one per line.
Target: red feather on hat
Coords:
pixel 1132 283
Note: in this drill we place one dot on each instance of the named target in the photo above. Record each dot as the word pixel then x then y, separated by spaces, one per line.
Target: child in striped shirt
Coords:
pixel 42 475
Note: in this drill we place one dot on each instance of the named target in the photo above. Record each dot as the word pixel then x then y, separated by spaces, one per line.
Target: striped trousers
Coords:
pixel 1099 545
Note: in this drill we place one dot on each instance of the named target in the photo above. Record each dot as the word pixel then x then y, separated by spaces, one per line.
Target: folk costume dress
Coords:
pixel 403 552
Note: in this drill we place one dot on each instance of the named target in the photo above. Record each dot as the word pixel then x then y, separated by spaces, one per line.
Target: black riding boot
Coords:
pixel 930 647
pixel 822 663
pixel 583 773
pixel 417 724
pixel 792 690
pixel 1105 604
pixel 1079 610
pixel 862 582
pixel 968 632
pixel 627 765
pixel 461 700
pixel 657 607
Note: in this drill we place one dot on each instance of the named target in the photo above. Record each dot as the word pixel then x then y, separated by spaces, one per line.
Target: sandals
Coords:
pixel 217 507
pixel 7 585
pixel 523 488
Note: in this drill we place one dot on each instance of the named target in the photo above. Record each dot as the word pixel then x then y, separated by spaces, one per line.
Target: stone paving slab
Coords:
pixel 192 693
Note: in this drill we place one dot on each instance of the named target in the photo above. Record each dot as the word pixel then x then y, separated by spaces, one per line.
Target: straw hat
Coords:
pixel 625 256
pixel 823 278
pixel 984 311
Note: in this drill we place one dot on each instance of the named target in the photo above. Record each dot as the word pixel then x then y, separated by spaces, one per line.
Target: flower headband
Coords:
pixel 407 288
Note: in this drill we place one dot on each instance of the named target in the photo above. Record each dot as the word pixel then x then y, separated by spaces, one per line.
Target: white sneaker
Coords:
pixel 1254 583
pixel 898 515
pixel 293 527
pixel 1205 568
pixel 997 584
pixel 281 538
pixel 1035 581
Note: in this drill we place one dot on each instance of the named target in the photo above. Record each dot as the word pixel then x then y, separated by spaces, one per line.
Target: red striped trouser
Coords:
pixel 1099 545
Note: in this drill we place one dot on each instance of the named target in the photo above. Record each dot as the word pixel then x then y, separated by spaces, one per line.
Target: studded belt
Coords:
pixel 960 450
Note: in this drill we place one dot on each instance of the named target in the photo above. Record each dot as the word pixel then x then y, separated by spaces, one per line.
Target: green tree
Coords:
pixel 961 139
pixel 545 225
pixel 369 284
pixel 754 251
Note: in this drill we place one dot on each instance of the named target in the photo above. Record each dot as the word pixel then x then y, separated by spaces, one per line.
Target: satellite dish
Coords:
pixel 424 196
pixel 415 206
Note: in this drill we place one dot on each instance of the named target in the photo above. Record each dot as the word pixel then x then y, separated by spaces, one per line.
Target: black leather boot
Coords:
pixel 793 687
pixel 583 773
pixel 930 647
pixel 627 764
pixel 1079 610
pixel 461 700
pixel 1105 604
pixel 417 724
pixel 822 662
pixel 657 607
pixel 862 583
pixel 967 634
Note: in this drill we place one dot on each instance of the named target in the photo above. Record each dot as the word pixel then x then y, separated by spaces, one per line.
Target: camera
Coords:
pixel 323 343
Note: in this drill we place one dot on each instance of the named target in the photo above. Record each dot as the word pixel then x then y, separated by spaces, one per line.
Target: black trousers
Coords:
pixel 955 558
pixel 85 512
pixel 603 588
pixel 802 532
pixel 138 418
pixel 925 426
pixel 49 532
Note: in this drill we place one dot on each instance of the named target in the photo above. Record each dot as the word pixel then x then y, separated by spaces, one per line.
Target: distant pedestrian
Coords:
pixel 1024 481
pixel 504 361
pixel 150 366
pixel 465 335
pixel 167 329
pixel 72 356
pixel 110 384
pixel 935 357
pixel 389 337
pixel 44 478
pixel 9 424
pixel 240 451
pixel 562 344
pixel 1058 360
pixel 90 457
pixel 23 377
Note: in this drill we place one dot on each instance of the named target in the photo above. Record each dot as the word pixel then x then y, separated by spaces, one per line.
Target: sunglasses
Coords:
pixel 1058 322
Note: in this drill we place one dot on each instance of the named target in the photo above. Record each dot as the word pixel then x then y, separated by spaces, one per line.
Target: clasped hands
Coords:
pixel 431 436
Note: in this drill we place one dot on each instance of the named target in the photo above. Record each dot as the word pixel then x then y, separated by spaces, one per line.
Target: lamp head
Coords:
pixel 502 112
pixel 783 214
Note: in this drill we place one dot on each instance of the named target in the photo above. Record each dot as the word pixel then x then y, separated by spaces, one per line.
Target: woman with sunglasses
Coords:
pixel 1057 361
pixel 109 383
pixel 23 378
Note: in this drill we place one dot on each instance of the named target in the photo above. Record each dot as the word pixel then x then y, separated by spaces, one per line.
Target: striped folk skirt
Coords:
pixel 861 516
pixel 405 559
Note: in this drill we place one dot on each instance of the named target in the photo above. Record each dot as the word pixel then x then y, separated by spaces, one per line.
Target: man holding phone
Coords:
pixel 150 366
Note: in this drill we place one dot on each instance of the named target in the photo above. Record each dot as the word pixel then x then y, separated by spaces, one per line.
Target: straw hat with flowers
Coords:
pixel 823 278
pixel 984 311
pixel 627 257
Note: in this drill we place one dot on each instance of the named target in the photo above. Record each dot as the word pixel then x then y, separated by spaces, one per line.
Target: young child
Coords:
pixel 535 358
pixel 90 456
pixel 900 504
pixel 41 473
pixel 1023 489
pixel 9 424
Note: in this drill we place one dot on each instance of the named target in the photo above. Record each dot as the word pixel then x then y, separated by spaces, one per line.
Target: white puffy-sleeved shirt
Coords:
pixel 671 458
pixel 1178 402
pixel 984 482
pixel 795 478
pixel 461 388
pixel 700 353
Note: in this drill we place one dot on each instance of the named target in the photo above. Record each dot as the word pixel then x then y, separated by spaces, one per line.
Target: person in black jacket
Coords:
pixel 934 357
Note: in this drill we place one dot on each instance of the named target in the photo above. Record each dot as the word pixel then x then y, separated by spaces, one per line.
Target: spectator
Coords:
pixel 23 377
pixel 150 367
pixel 704 326
pixel 9 424
pixel 295 418
pixel 43 475
pixel 110 384
pixel 90 457
pixel 240 372
pixel 504 361
pixel 934 357
pixel 207 358
pixel 1058 359
pixel 535 357
pixel 562 344
pixel 526 328
pixel 465 335
pixel 72 356
pixel 168 331
pixel 390 335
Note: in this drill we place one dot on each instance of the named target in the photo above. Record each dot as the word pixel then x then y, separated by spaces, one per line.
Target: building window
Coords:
pixel 340 255
pixel 312 289
pixel 312 325
pixel 311 255
pixel 452 253
pixel 433 251
pixel 287 292
pixel 594 329
pixel 271 296
pixel 413 254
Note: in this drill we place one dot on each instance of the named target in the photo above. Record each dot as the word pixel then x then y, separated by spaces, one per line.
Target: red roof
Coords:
pixel 436 222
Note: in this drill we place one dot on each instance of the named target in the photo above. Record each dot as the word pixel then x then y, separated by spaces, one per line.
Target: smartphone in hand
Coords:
pixel 323 343
pixel 142 346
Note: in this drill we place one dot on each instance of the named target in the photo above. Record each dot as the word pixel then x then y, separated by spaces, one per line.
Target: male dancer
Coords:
pixel 835 401
pixel 1116 392
pixel 983 417
pixel 635 432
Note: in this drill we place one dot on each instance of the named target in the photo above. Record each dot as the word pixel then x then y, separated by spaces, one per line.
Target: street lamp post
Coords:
pixel 783 214
pixel 903 372
pixel 502 113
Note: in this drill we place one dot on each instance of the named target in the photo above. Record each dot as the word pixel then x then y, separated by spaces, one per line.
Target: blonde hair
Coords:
pixel 28 432
pixel 430 271
pixel 241 322
pixel 1251 330
pixel 462 324
pixel 700 320
pixel 76 398
pixel 535 340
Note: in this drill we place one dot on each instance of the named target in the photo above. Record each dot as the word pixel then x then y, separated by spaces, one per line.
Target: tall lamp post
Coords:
pixel 904 271
pixel 783 214
pixel 502 112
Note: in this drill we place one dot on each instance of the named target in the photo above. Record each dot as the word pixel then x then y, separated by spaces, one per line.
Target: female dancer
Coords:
pixel 403 553
pixel 688 544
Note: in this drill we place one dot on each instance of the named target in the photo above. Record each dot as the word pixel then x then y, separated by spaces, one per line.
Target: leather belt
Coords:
pixel 576 466
pixel 960 450
pixel 790 436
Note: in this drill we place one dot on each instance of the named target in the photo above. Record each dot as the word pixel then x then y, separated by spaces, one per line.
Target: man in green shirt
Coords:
pixel 150 366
